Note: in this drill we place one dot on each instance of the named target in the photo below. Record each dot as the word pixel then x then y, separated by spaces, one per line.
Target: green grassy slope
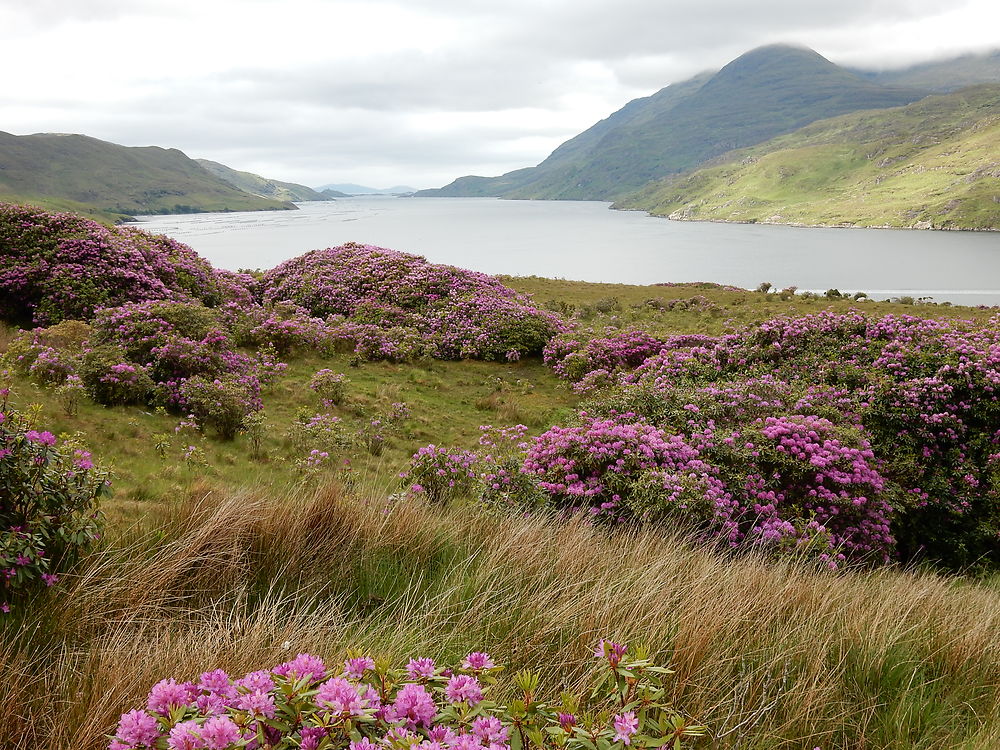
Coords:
pixel 261 186
pixel 766 92
pixel 934 163
pixel 111 180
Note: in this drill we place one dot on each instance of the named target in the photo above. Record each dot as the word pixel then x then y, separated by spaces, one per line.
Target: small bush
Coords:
pixel 111 379
pixel 70 394
pixel 222 403
pixel 440 474
pixel 254 428
pixel 330 386
pixel 49 512
pixel 311 434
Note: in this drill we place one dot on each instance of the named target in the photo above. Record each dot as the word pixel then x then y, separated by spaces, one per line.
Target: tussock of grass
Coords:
pixel 767 654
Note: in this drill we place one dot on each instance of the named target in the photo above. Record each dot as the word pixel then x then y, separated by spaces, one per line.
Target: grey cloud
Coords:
pixel 337 117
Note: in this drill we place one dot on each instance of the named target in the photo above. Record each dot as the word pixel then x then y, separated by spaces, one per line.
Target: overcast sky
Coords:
pixel 415 92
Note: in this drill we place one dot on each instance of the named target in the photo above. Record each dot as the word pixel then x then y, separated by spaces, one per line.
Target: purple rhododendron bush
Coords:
pixel 847 437
pixel 365 704
pixel 59 266
pixel 463 314
pixel 49 505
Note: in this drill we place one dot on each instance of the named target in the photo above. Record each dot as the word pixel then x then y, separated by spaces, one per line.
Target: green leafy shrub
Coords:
pixel 330 386
pixel 313 434
pixel 111 379
pixel 48 505
pixel 222 403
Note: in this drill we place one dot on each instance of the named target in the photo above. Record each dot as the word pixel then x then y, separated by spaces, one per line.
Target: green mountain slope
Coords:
pixel 254 184
pixel 78 172
pixel 766 92
pixel 934 163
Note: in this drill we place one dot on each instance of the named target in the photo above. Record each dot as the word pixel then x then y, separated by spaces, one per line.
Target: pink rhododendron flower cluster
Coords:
pixel 58 266
pixel 865 436
pixel 440 310
pixel 303 704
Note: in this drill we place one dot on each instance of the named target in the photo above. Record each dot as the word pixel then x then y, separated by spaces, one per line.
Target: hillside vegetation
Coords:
pixel 74 172
pixel 254 184
pixel 789 500
pixel 766 92
pixel 934 163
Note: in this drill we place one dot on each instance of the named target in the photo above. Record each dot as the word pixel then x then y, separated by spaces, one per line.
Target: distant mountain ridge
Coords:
pixel 931 164
pixel 112 182
pixel 349 188
pixel 262 186
pixel 766 92
pixel 942 76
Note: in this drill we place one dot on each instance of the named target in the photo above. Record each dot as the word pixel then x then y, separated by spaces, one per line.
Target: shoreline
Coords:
pixel 927 226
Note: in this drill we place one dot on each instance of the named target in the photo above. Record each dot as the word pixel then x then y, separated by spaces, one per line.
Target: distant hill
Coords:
pixel 349 188
pixel 330 194
pixel 943 75
pixel 766 92
pixel 934 163
pixel 76 172
pixel 261 186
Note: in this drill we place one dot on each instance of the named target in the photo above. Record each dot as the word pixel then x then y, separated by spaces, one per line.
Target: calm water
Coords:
pixel 589 242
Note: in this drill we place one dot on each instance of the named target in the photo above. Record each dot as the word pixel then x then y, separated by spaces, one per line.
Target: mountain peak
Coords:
pixel 778 61
pixel 765 92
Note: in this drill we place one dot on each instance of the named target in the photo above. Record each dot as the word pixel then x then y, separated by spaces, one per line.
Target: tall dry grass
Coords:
pixel 769 655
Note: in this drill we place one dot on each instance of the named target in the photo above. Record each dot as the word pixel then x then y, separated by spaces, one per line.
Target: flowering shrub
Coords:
pixel 366 704
pixel 396 344
pixel 330 386
pixel 596 465
pixel 501 481
pixel 440 474
pixel 173 340
pixel 626 350
pixel 48 505
pixel 70 394
pixel 253 426
pixel 109 378
pixel 28 355
pixel 315 434
pixel 177 355
pixel 837 436
pixel 57 266
pixel 490 327
pixel 906 409
pixel 222 403
pixel 284 326
pixel 387 420
pixel 450 311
